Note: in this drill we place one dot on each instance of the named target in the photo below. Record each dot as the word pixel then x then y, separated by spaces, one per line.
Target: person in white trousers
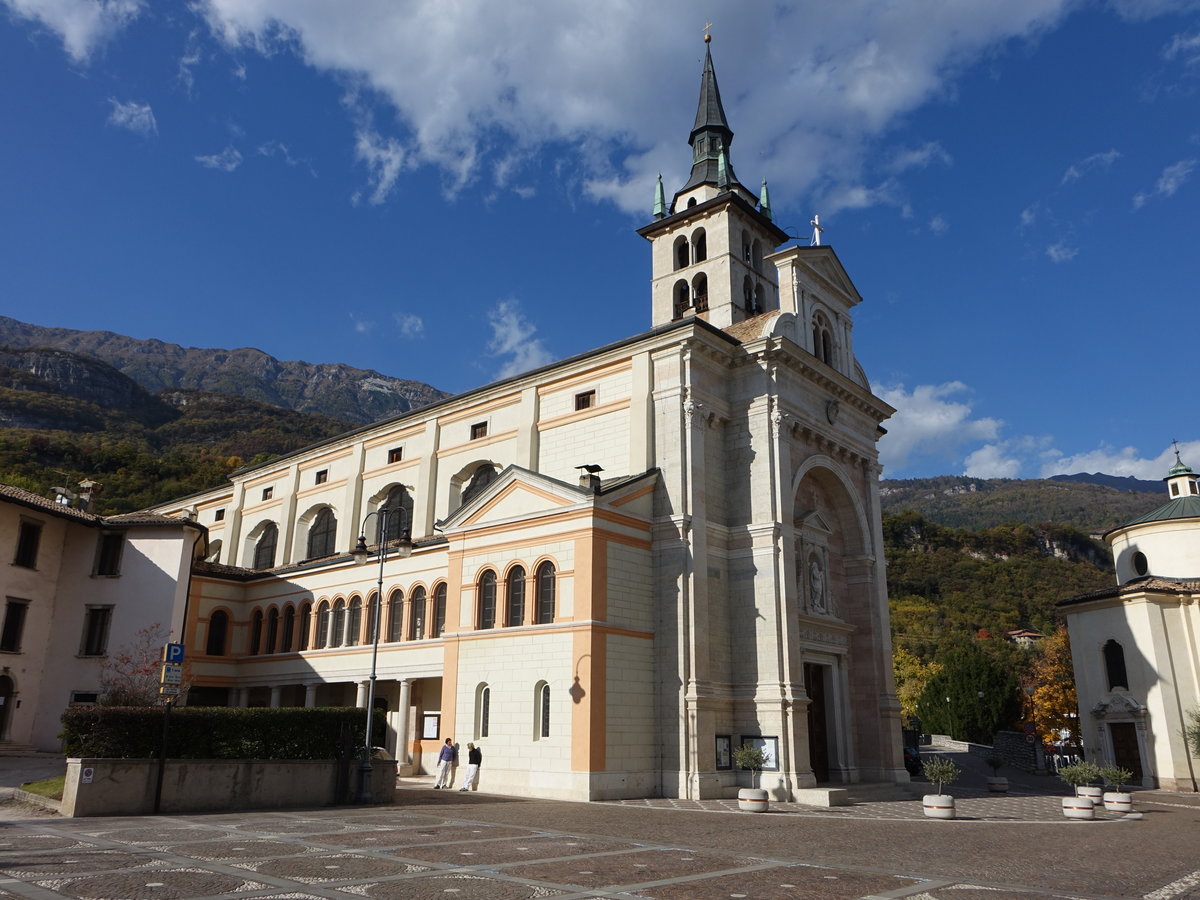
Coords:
pixel 445 762
pixel 474 761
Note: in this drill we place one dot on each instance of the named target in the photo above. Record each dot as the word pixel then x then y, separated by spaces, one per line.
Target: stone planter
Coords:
pixel 1118 801
pixel 752 800
pixel 1090 791
pixel 938 806
pixel 1078 808
pixel 997 784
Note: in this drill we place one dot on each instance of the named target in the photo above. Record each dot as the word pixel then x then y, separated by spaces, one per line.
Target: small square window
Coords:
pixel 586 400
pixel 395 454
pixel 108 554
pixel 95 631
pixel 84 698
pixel 322 476
pixel 219 516
pixel 268 493
pixel 478 430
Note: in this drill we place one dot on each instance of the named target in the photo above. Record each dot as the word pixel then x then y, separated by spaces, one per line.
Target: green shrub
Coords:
pixel 1079 773
pixel 940 771
pixel 212 732
pixel 1116 776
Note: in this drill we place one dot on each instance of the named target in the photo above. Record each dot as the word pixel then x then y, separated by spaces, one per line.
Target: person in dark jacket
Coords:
pixel 474 761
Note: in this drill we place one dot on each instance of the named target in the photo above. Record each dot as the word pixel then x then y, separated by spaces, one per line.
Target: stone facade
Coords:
pixel 623 563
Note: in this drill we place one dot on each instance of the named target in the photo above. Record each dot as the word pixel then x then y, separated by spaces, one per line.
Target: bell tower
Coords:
pixel 710 246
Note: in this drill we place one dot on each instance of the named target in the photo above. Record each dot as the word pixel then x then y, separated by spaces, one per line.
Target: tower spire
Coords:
pixel 711 135
pixel 660 199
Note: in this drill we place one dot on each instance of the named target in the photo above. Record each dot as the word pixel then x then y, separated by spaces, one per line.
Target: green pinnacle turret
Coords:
pixel 660 199
pixel 764 200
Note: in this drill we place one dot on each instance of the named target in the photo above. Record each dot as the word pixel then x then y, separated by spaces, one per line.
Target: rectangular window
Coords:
pixel 322 476
pixel 27 544
pixel 395 454
pixel 108 555
pixel 586 400
pixel 84 698
pixel 14 625
pixel 478 430
pixel 268 493
pixel 95 631
pixel 220 515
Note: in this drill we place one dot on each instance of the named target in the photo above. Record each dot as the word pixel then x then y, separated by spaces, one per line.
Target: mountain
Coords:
pixel 1120 482
pixel 64 417
pixel 335 390
pixel 979 503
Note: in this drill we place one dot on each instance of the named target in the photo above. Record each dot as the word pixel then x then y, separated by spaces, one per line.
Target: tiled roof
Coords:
pixel 1148 584
pixel 44 504
pixel 750 329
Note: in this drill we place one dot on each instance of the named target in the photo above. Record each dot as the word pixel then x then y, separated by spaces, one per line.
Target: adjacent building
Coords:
pixel 1134 646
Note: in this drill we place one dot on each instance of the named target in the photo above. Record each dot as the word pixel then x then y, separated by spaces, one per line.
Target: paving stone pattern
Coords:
pixel 476 848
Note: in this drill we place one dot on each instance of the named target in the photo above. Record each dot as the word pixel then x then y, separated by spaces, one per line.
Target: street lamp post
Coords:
pixel 403 546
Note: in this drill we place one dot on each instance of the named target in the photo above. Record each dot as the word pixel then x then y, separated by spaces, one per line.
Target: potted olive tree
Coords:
pixel 1080 776
pixel 753 798
pixel 996 782
pixel 1117 799
pixel 940 771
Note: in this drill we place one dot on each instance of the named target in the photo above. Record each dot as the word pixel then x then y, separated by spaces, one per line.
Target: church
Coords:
pixel 1133 646
pixel 607 572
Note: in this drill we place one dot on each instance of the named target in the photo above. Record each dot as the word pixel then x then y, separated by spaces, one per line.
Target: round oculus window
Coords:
pixel 1140 564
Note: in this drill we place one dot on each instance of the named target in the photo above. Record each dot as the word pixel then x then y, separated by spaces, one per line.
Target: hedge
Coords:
pixel 211 732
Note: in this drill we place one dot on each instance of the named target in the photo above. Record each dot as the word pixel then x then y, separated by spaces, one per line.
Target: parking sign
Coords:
pixel 173 653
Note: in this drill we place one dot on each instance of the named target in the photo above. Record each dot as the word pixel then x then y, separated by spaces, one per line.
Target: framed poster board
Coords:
pixel 724 751
pixel 769 746
pixel 431 726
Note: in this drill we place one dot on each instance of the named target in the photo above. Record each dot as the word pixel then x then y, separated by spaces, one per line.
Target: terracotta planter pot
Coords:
pixel 1078 808
pixel 998 784
pixel 1091 791
pixel 938 806
pixel 752 800
pixel 1118 801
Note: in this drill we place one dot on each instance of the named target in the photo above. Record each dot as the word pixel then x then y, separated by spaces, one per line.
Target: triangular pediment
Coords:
pixel 812 521
pixel 515 494
pixel 830 270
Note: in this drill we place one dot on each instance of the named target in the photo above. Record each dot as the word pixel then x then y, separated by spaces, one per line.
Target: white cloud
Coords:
pixel 136 117
pixel 410 325
pixel 1125 461
pixel 82 25
pixel 992 461
pixel 1061 253
pixel 939 225
pixel 920 158
pixel 1077 170
pixel 929 421
pixel 513 337
pixel 1173 177
pixel 225 161
pixel 1186 46
pixel 1137 10
pixel 1029 215
pixel 469 85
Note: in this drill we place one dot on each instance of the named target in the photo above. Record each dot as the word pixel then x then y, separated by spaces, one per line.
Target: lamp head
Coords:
pixel 404 546
pixel 360 552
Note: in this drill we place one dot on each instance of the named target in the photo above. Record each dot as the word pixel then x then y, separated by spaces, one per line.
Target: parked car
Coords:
pixel 912 760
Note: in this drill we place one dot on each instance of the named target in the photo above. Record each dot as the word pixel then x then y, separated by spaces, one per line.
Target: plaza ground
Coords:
pixel 447 844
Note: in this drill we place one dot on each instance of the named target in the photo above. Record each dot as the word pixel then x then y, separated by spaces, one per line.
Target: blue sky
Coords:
pixel 449 192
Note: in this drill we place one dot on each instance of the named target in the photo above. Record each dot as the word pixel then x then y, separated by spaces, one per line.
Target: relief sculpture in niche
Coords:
pixel 816 586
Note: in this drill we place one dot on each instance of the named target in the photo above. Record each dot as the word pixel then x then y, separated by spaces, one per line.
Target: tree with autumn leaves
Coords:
pixel 1049 689
pixel 129 676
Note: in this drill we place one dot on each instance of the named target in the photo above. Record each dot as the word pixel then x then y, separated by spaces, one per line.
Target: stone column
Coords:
pixel 274 703
pixel 310 695
pixel 360 699
pixel 402 714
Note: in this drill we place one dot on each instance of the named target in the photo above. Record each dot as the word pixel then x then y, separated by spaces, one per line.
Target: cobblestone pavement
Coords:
pixel 437 844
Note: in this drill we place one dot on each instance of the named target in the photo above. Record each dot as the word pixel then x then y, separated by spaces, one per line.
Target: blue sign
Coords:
pixel 173 653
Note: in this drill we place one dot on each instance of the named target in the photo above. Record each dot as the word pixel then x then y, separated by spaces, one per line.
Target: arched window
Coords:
pixel 516 597
pixel 374 620
pixel 256 629
pixel 218 628
pixel 484 475
pixel 322 534
pixel 264 550
pixel 399 507
pixel 439 610
pixel 747 252
pixel 272 630
pixel 289 628
pixel 756 256
pixel 483 710
pixel 487 600
pixel 822 339
pixel 337 624
pixel 396 617
pixel 1114 666
pixel 416 624
pixel 323 622
pixel 354 622
pixel 700 292
pixel 681 252
pixel 681 298
pixel 545 593
pixel 760 300
pixel 699 245
pixel 691 202
pixel 541 712
pixel 305 624
pixel 748 295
